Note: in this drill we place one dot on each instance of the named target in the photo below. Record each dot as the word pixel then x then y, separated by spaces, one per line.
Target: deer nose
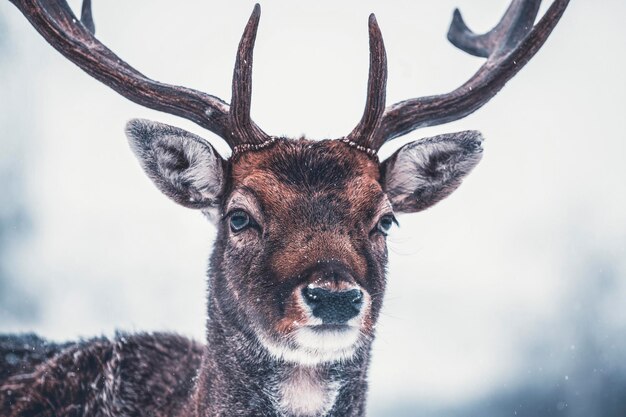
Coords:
pixel 333 307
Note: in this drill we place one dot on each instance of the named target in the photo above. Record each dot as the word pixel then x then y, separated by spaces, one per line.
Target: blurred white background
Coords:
pixel 507 298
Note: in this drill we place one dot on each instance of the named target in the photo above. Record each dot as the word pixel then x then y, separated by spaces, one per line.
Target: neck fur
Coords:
pixel 307 391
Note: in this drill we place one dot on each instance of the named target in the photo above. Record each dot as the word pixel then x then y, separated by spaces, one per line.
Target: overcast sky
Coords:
pixel 483 287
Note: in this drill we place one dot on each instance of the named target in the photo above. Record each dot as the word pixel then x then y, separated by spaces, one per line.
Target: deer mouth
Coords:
pixel 328 337
pixel 317 344
pixel 313 342
pixel 330 328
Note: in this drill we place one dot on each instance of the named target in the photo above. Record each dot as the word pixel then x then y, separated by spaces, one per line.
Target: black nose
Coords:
pixel 333 307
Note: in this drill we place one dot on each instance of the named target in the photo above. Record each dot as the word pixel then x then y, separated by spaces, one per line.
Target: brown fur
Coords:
pixel 363 192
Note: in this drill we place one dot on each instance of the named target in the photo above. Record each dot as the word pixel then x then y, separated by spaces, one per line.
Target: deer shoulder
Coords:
pixel 129 375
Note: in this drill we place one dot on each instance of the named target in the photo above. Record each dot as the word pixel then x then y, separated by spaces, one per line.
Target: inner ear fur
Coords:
pixel 424 172
pixel 182 165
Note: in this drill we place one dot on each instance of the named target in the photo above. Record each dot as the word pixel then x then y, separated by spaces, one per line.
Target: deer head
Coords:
pixel 300 257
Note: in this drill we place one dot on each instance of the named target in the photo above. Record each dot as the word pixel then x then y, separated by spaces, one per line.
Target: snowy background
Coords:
pixel 506 299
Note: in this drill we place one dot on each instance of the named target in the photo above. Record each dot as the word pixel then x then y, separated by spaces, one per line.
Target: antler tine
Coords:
pixel 86 17
pixel 513 27
pixel 243 129
pixel 508 48
pixel 376 88
pixel 54 20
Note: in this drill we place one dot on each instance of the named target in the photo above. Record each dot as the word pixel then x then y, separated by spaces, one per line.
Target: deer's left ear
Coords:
pixel 426 171
pixel 182 165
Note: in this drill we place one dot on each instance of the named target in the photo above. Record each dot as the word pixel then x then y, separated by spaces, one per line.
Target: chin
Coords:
pixel 317 345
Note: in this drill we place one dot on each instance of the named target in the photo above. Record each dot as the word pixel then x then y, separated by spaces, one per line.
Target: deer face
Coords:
pixel 301 252
pixel 304 243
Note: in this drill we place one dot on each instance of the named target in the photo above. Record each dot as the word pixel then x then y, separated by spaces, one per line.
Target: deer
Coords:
pixel 297 274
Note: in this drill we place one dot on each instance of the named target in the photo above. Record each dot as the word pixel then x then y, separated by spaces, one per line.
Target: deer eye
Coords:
pixel 385 223
pixel 239 220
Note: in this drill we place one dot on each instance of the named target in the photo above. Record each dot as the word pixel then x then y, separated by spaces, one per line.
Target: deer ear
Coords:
pixel 182 165
pixel 426 171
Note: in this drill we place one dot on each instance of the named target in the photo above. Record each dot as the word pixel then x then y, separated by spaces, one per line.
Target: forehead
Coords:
pixel 324 173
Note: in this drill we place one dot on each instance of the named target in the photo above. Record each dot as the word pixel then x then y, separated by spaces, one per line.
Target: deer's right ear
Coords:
pixel 182 165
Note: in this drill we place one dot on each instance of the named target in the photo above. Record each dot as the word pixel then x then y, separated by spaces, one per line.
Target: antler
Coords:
pixel 243 127
pixel 507 47
pixel 75 39
pixel 376 90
